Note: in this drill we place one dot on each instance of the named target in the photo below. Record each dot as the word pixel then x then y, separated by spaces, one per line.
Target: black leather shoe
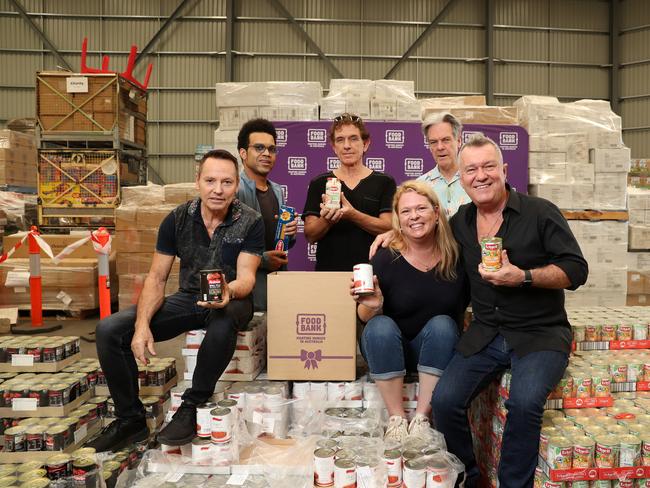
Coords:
pixel 182 428
pixel 119 434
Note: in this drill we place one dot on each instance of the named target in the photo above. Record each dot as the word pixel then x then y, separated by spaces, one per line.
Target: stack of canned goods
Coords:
pixel 597 324
pixel 624 366
pixel 49 389
pixel 337 462
pixel 47 434
pixel 153 406
pixel 216 431
pixel 328 391
pixel 158 373
pixel 264 406
pixel 31 474
pixel 44 349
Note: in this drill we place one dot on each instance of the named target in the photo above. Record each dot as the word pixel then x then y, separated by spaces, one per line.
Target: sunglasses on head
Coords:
pixel 347 117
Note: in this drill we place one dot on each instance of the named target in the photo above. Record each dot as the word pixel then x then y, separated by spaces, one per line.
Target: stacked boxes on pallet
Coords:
pixel 272 100
pixel 577 161
pixel 70 285
pixel 17 159
pixel 91 136
pixel 136 229
pixel 469 110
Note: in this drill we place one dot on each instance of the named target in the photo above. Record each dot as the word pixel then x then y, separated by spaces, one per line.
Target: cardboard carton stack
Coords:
pixel 469 110
pixel 638 278
pixel 272 100
pixel 577 158
pixel 374 100
pixel 639 175
pixel 70 285
pixel 17 159
pixel 136 230
pixel 578 161
pixel 17 212
pixel 604 246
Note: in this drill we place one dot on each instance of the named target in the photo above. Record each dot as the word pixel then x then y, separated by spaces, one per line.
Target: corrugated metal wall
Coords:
pixel 548 47
pixel 635 76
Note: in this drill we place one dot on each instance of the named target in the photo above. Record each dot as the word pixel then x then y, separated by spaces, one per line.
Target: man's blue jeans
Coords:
pixel 389 355
pixel 533 378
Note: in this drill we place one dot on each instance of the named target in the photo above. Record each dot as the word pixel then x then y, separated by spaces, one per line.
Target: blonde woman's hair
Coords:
pixel 444 244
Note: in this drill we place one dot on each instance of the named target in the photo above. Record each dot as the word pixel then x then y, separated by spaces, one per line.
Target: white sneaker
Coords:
pixel 397 429
pixel 419 426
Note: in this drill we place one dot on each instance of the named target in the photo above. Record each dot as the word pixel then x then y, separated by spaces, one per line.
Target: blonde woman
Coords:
pixel 414 316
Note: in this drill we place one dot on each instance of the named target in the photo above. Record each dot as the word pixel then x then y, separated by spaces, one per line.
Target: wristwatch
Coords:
pixel 528 279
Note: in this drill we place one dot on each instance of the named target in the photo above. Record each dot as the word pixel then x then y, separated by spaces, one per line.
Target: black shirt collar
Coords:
pixel 513 203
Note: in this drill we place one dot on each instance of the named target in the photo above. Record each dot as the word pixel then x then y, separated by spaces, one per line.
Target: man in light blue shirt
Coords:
pixel 443 132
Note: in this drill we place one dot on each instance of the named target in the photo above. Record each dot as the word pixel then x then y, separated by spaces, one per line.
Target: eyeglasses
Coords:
pixel 260 148
pixel 347 117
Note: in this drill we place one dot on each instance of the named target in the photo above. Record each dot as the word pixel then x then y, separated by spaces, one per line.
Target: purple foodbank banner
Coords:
pixel 396 148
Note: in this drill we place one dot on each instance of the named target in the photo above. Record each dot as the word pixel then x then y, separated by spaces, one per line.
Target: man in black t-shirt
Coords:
pixel 344 235
pixel 214 231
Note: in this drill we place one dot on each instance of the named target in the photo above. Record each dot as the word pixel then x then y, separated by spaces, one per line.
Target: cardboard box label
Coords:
pixel 80 434
pixel 308 324
pixel 76 84
pixel 24 404
pixel 22 360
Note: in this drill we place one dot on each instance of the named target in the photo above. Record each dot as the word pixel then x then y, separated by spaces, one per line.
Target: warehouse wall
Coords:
pixel 548 47
pixel 635 76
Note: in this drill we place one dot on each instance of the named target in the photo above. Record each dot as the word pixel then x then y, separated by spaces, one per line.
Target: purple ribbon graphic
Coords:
pixel 311 358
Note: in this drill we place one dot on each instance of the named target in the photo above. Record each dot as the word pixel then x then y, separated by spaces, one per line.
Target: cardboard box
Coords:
pixel 638 300
pixel 639 238
pixel 135 241
pixel 311 325
pixel 610 160
pixel 638 282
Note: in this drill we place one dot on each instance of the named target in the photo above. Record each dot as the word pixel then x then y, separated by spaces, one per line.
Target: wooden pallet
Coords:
pixel 62 313
pixel 596 215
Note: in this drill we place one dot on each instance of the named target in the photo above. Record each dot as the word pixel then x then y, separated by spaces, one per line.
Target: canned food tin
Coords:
pixel 34 437
pixel 36 483
pixel 201 449
pixel 583 452
pixel 629 451
pixel 618 371
pixel 345 473
pixel 211 285
pixel 327 444
pixel 221 425
pixel 32 474
pixel 204 419
pixel 608 332
pixel 640 331
pixel 491 248
pixel 344 454
pixel 28 466
pixel 624 332
pixel 56 395
pixel 15 439
pixel 363 281
pixel 438 473
pixel 59 466
pixel 83 472
pixel 333 193
pixel 592 332
pixel 559 453
pixel 414 474
pixel 324 467
pixel 393 463
pixel 156 376
pixel 55 437
pixel 607 449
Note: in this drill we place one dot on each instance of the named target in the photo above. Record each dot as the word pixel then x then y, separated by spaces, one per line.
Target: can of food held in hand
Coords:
pixel 491 248
pixel 362 276
pixel 287 214
pixel 211 285
pixel 333 193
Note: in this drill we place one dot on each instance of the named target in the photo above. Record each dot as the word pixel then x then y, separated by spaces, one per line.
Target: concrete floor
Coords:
pixel 85 327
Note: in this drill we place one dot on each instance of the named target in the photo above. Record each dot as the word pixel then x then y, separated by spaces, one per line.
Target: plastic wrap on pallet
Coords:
pixel 478 114
pixel 267 93
pixel 177 193
pixel 150 194
pixel 19 209
pixel 444 102
pixel 347 95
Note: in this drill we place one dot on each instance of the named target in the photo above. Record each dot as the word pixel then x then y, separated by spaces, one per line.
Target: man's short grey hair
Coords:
pixel 480 140
pixel 439 118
